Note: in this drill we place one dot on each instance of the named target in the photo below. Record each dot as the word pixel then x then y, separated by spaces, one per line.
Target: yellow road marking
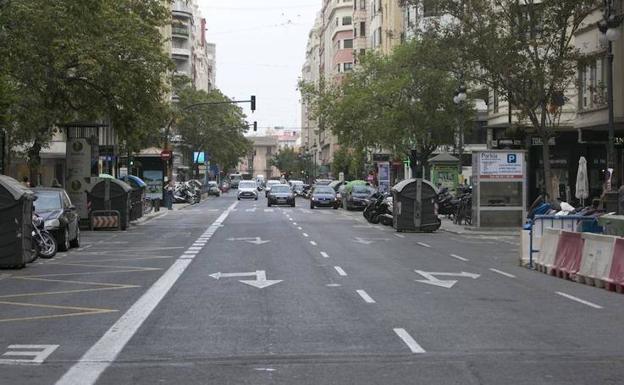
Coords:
pixel 123 259
pixel 80 311
pixel 86 273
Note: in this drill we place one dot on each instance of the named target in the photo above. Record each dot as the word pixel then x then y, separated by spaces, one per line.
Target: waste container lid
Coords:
pixel 401 185
pixel 123 185
pixel 135 179
pixel 15 188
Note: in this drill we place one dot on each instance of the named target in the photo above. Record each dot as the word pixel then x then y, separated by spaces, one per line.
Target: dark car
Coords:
pixel 281 194
pixel 213 188
pixel 323 196
pixel 356 197
pixel 60 216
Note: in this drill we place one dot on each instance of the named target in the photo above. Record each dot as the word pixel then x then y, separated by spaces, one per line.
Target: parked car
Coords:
pixel 323 196
pixel 269 184
pixel 356 195
pixel 213 188
pixel 225 187
pixel 281 194
pixel 60 216
pixel 247 189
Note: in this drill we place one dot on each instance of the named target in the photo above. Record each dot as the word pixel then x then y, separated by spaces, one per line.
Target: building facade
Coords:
pixel 258 161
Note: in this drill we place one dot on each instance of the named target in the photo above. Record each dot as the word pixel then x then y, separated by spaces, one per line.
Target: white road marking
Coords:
pixel 104 352
pixel 305 234
pixel 39 353
pixel 313 243
pixel 460 258
pixel 367 298
pixel 294 223
pixel 324 254
pixel 399 235
pixel 265 369
pixel 191 252
pixel 423 244
pixel 290 219
pixel 573 298
pixel 333 285
pixel 503 273
pixel 340 271
pixel 299 228
pixel 409 341
pixel 268 210
pixel 194 248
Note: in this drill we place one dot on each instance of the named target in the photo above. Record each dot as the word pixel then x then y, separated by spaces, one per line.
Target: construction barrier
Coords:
pixel 569 252
pixel 616 275
pixel 545 260
pixel 596 259
pixel 105 219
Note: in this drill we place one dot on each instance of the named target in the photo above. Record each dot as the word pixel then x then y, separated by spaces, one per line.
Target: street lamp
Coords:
pixel 609 27
pixel 459 99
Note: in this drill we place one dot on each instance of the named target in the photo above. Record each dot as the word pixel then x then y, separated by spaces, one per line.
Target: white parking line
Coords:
pixel 399 235
pixel 313 243
pixel 324 254
pixel 340 271
pixel 367 298
pixel 460 258
pixel 503 273
pixel 573 298
pixel 423 244
pixel 305 235
pixel 409 341
pixel 104 352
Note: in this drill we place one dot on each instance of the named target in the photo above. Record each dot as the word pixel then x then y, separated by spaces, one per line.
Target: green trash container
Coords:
pixel 111 194
pixel 16 209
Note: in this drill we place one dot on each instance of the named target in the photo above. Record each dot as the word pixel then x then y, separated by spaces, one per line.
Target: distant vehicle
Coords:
pixel 213 188
pixel 323 182
pixel 247 189
pixel 225 186
pixel 323 196
pixel 60 217
pixel 235 180
pixel 260 180
pixel 281 194
pixel 295 182
pixel 269 184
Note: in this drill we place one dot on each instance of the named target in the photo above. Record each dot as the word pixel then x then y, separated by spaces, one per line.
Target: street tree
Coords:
pixel 522 50
pixel 289 162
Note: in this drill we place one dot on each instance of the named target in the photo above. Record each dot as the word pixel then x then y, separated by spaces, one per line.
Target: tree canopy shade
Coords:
pixel 79 60
pixel 215 129
pixel 521 49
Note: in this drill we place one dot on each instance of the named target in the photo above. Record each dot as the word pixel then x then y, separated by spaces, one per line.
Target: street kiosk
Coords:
pixel 499 188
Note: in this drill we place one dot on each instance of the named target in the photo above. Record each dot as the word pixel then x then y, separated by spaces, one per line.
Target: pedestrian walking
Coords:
pixel 169 195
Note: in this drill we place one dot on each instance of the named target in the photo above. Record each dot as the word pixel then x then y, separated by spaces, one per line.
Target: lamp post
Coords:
pixel 609 27
pixel 459 99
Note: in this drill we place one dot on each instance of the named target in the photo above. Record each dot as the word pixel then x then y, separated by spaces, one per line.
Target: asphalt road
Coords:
pixel 230 292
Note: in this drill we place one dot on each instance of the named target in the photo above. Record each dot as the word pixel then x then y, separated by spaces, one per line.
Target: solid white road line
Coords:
pixel 313 243
pixel 324 254
pixel 409 341
pixel 104 352
pixel 305 235
pixel 399 235
pixel 340 271
pixel 503 273
pixel 573 298
pixel 367 298
pixel 460 258
pixel 424 244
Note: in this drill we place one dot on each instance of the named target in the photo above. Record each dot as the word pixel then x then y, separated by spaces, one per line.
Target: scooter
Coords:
pixel 44 243
pixel 447 205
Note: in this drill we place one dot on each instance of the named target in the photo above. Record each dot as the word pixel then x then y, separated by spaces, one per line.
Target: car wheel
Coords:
pixel 256 198
pixel 336 207
pixel 238 198
pixel 63 241
pixel 292 204
pixel 76 241
pixel 269 204
pixel 311 206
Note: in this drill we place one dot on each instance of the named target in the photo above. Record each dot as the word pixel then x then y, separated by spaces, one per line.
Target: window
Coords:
pixel 430 8
pixel 347 20
pixel 362 28
pixel 362 52
pixel 592 86
pixel 377 37
pixel 347 43
pixel 337 22
pixel 348 67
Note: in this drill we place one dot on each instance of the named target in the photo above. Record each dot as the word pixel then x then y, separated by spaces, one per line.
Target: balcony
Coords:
pixel 180 31
pixel 181 10
pixel 181 53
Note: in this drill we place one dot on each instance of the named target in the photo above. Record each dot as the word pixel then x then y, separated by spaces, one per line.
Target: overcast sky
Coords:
pixel 260 51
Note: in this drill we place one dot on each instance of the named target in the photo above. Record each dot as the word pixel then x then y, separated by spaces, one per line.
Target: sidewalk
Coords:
pixel 450 227
pixel 157 214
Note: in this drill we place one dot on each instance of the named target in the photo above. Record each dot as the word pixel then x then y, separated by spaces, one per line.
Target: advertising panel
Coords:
pixel 383 176
pixel 154 181
pixel 501 165
pixel 78 174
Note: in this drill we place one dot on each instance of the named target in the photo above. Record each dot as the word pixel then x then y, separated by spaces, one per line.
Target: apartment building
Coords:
pixel 386 25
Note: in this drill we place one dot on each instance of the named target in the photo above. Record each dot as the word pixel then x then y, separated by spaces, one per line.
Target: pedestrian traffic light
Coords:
pixel 255 125
pixel 253 103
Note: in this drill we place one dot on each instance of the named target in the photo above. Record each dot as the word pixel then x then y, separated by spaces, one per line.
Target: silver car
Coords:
pixel 247 189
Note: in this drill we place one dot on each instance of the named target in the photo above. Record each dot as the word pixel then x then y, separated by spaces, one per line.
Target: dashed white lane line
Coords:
pixel 460 258
pixel 299 228
pixel 399 235
pixel 313 243
pixel 340 271
pixel 305 234
pixel 503 273
pixel 324 254
pixel 194 248
pixel 573 298
pixel 294 223
pixel 367 298
pixel 104 352
pixel 423 244
pixel 409 341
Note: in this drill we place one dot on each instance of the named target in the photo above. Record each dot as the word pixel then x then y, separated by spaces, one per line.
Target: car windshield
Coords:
pixel 271 182
pixel 323 190
pixel 47 201
pixel 280 189
pixel 361 190
pixel 246 184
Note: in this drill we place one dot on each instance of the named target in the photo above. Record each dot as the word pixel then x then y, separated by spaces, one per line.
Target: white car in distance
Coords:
pixel 247 189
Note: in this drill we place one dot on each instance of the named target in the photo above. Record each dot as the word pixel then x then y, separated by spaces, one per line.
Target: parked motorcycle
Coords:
pixel 463 213
pixel 186 192
pixel 44 243
pixel 447 204
pixel 379 209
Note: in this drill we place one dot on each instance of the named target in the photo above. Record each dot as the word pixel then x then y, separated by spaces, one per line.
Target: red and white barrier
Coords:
pixel 569 253
pixel 545 259
pixel 596 258
pixel 616 274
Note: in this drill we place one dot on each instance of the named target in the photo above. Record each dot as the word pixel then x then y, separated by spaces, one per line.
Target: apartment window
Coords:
pixel 347 20
pixel 347 43
pixel 377 37
pixel 430 8
pixel 338 68
pixel 362 4
pixel 362 28
pixel 337 22
pixel 354 4
pixel 348 67
pixel 592 85
pixel 362 51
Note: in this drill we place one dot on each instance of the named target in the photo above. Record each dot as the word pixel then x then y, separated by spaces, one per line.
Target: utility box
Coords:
pixel 499 188
pixel 445 171
pixel 414 206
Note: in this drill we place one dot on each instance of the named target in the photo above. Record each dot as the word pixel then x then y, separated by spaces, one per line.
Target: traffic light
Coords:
pixel 253 103
pixel 255 125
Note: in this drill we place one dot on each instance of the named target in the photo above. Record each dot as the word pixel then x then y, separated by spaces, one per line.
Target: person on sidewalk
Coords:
pixel 169 195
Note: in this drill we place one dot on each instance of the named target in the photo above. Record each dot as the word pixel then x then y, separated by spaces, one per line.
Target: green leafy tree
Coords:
pixel 289 162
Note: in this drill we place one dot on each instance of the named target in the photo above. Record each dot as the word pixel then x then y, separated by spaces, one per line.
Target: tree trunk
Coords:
pixel 34 162
pixel 547 173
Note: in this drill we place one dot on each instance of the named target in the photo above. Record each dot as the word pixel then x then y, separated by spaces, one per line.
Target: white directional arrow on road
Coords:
pixel 368 241
pixel 251 210
pixel 432 280
pixel 252 240
pixel 260 282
